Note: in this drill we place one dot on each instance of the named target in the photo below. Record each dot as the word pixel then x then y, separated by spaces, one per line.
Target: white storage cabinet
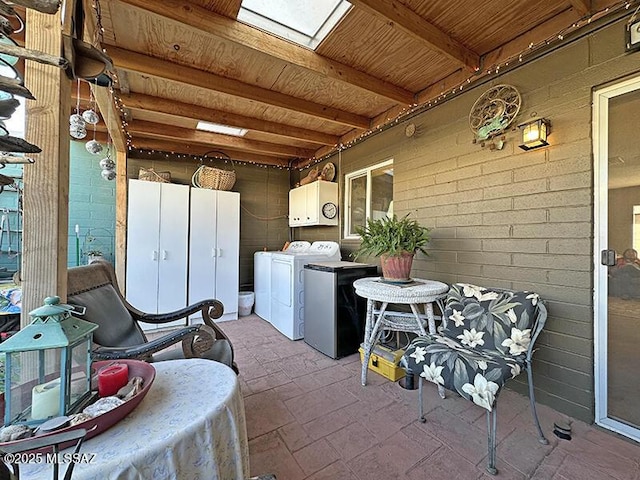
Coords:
pixel 315 203
pixel 157 247
pixel 214 248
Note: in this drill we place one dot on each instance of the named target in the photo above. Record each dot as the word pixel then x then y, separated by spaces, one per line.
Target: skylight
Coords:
pixel 218 128
pixel 305 22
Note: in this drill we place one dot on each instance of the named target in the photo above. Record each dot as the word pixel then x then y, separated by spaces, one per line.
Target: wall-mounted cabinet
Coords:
pixel 314 204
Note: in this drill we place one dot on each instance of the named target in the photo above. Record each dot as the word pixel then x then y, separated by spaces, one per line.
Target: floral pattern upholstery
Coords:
pixel 482 343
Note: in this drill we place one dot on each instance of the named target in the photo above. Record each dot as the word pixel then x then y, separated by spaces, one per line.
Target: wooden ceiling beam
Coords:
pixel 175 147
pixel 583 7
pixel 111 117
pixel 145 129
pixel 137 101
pixel 147 65
pixel 195 16
pixel 401 17
pixel 453 81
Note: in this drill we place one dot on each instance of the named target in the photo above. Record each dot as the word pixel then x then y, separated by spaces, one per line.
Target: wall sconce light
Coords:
pixel 633 33
pixel 535 133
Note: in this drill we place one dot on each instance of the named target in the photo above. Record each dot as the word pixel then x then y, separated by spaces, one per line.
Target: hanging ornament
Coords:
pixel 94 147
pixel 108 174
pixel 107 164
pixel 76 120
pixel 77 132
pixel 90 117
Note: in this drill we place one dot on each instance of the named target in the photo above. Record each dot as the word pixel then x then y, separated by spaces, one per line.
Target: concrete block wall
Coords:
pixel 510 218
pixel 91 207
pixel 10 242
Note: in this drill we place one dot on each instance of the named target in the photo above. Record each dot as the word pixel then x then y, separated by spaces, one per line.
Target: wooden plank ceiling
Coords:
pixel 181 61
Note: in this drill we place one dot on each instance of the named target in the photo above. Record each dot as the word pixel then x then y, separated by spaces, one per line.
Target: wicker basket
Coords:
pixel 150 175
pixel 214 178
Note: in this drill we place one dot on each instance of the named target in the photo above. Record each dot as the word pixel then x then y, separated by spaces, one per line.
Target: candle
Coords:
pixel 45 400
pixel 112 378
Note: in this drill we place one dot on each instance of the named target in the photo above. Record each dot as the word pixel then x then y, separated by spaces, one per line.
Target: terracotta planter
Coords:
pixel 396 268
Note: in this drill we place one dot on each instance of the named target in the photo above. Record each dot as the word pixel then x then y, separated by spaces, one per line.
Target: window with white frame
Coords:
pixel 368 194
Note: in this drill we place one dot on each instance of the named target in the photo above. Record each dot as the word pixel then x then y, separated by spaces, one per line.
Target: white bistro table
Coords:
pixel 419 292
pixel 191 424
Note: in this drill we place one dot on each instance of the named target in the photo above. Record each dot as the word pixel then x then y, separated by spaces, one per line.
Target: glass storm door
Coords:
pixel 616 127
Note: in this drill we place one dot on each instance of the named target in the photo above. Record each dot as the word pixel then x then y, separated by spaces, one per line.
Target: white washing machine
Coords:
pixel 262 277
pixel 287 285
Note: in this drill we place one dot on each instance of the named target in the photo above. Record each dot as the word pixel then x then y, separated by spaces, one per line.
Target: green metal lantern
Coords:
pixel 47 365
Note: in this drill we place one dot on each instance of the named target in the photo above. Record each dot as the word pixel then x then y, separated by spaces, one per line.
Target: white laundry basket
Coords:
pixel 245 303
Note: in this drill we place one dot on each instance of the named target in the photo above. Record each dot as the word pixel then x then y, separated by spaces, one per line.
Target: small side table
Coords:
pixel 420 292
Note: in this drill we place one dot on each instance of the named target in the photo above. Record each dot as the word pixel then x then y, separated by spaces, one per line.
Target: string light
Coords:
pixel 200 158
pixel 430 103
pixel 405 113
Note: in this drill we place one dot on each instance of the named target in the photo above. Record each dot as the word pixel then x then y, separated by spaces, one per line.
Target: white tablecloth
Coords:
pixel 191 425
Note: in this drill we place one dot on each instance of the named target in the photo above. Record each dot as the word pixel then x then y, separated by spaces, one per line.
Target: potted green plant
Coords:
pixel 395 241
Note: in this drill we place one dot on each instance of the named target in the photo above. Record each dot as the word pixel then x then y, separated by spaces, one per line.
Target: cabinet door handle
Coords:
pixel 213 253
pixel 164 254
pixel 219 252
pixel 154 255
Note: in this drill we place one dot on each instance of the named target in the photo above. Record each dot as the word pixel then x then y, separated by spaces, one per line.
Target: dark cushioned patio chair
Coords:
pixel 95 287
pixel 486 339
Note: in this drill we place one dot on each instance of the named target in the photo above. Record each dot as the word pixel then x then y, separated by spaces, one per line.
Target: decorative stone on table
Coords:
pixel 103 405
pixel 15 432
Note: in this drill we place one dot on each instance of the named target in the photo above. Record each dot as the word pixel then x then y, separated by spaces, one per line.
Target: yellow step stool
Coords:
pixel 384 361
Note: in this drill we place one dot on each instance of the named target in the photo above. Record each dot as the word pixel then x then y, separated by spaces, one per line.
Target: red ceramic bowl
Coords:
pixel 99 424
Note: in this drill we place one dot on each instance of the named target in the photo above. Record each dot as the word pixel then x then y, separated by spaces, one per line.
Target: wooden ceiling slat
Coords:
pixel 485 26
pixel 156 36
pixel 191 149
pixel 197 112
pixel 384 51
pixel 197 17
pixel 495 57
pixel 145 64
pixel 214 140
pixel 409 22
pixel 228 8
pixel 219 101
pixel 583 7
pixel 273 87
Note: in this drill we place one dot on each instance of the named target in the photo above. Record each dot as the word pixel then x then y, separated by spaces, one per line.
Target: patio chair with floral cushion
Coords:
pixel 486 339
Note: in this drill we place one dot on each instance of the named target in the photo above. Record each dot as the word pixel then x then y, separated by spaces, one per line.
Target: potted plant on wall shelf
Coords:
pixel 395 241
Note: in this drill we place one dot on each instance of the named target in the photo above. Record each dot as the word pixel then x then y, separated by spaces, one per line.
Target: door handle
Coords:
pixel 164 254
pixel 213 253
pixel 608 258
pixel 219 252
pixel 154 255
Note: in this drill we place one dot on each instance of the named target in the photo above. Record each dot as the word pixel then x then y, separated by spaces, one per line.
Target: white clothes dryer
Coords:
pixel 262 277
pixel 287 285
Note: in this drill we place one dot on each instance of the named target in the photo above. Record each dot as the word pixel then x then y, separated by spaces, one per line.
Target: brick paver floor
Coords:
pixel 308 417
